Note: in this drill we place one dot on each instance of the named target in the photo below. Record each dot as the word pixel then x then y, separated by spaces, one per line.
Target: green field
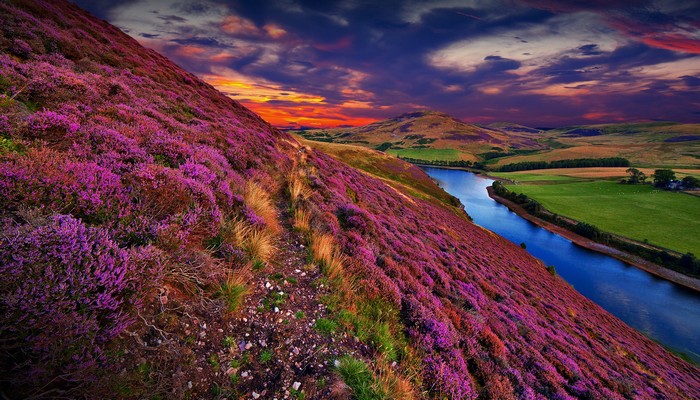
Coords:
pixel 524 177
pixel 428 154
pixel 640 212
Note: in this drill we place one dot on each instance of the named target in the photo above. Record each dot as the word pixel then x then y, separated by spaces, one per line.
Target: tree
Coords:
pixel 662 177
pixel 690 182
pixel 636 176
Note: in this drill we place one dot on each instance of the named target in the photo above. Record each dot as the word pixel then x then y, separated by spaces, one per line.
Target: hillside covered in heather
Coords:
pixel 159 240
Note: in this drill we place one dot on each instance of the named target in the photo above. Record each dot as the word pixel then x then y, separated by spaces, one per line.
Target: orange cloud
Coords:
pixel 274 31
pixel 673 42
pixel 284 107
pixel 235 25
pixel 340 44
pixel 189 51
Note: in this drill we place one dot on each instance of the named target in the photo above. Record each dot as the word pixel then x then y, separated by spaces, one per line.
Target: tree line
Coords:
pixel 571 163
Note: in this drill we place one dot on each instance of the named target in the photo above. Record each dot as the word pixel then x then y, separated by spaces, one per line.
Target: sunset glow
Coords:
pixel 535 62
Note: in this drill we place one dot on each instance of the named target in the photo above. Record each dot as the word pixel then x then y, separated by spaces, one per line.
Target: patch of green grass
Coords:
pixel 265 356
pixel 9 146
pixel 519 177
pixel 275 299
pixel 359 377
pixel 641 212
pixel 326 326
pixel 229 341
pixel 232 293
pixel 213 360
pixel 299 315
pixel 428 154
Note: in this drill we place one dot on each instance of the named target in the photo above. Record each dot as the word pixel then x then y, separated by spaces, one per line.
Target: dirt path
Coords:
pixel 277 321
pixel 652 268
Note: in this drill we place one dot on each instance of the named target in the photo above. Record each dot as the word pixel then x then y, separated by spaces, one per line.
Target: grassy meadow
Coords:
pixel 429 154
pixel 641 212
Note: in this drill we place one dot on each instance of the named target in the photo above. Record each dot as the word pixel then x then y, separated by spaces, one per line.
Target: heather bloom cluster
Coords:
pixel 64 294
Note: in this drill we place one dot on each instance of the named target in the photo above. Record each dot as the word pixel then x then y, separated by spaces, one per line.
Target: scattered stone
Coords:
pixel 296 385
pixel 189 384
pixel 248 345
pixel 244 374
pixel 256 395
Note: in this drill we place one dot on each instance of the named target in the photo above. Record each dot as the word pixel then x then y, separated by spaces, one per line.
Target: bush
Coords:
pixel 64 295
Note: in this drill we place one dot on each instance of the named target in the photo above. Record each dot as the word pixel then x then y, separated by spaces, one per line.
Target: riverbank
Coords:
pixel 474 171
pixel 652 268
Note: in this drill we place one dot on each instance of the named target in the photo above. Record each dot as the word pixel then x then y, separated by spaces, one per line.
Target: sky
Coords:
pixel 542 63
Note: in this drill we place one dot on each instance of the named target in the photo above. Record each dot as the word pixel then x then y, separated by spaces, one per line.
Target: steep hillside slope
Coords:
pixel 161 241
pixel 412 133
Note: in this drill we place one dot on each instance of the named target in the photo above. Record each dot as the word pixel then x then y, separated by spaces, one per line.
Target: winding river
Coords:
pixel 666 312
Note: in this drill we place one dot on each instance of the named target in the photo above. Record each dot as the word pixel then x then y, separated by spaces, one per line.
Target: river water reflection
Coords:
pixel 664 311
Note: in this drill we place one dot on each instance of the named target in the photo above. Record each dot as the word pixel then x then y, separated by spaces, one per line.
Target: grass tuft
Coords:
pixel 261 202
pixel 235 288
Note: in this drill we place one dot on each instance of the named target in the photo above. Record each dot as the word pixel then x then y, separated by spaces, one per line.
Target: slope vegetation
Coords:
pixel 159 240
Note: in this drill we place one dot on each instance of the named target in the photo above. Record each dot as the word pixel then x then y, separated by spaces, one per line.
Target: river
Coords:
pixel 666 312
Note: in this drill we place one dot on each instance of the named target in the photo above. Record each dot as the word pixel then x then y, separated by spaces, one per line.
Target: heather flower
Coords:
pixel 64 295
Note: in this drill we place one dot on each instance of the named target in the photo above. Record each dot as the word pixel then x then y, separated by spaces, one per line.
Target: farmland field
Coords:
pixel 640 212
pixel 428 154
pixel 577 174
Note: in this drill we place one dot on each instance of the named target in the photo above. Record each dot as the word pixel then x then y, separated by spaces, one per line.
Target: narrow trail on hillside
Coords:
pixel 279 320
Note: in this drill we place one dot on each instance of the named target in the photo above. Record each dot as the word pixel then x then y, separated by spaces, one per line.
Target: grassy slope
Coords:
pixel 429 154
pixel 400 174
pixel 640 212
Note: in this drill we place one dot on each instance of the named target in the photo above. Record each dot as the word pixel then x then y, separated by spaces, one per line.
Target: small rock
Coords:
pixel 244 374
pixel 336 363
pixel 277 309
pixel 267 285
pixel 263 343
pixel 296 385
pixel 248 345
pixel 189 384
pixel 255 395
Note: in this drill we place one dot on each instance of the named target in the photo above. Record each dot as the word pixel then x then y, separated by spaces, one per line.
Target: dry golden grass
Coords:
pixel 332 263
pixel 323 247
pixel 297 189
pixel 258 244
pixel 302 219
pixel 392 383
pixel 259 200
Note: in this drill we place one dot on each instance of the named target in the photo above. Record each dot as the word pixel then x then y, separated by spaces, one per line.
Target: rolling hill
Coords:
pixel 162 241
pixel 430 135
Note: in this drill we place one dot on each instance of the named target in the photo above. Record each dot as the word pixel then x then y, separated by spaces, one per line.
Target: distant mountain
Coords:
pixel 435 130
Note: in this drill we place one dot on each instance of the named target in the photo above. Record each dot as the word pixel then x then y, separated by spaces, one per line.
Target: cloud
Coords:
pixel 539 62
pixel 531 44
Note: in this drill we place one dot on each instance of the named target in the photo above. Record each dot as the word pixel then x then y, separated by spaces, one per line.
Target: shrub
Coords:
pixel 64 295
